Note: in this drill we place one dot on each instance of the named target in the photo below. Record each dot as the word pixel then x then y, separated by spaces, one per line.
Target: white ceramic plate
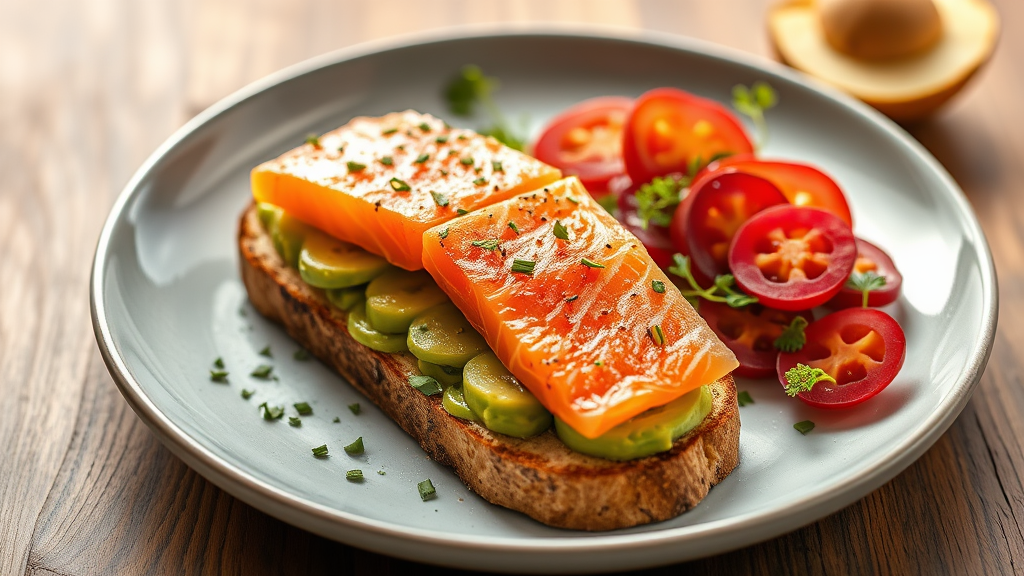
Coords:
pixel 167 300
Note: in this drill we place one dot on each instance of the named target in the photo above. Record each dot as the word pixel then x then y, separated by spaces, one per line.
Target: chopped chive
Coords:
pixel 387 161
pixel 301 355
pixel 444 172
pixel 598 363
pixel 480 181
pixel 389 131
pixel 271 412
pixel 658 335
pixel 246 393
pixel 425 127
pixel 421 158
pixel 426 490
pixel 572 298
pixel 262 371
pixel 355 447
pixel 313 139
pixel 744 398
pixel 461 137
pixel 461 211
pixel 320 451
pixel 354 475
pixel 590 263
pixel 381 472
pixel 218 376
pixel 399 185
pixel 303 408
pixel 219 362
pixel 514 228
pixel 491 244
pixel 425 384
pixel 441 139
pixel 439 199
pixel 341 149
pixel 658 286
pixel 443 233
pixel 336 420
pixel 523 266
pixel 294 421
pixel 266 352
pixel 355 408
pixel 496 166
pixel 467 161
pixel 561 232
pixel 804 427
pixel 355 166
pixel 572 199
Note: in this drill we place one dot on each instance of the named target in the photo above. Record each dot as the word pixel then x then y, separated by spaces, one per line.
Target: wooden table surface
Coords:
pixel 89 88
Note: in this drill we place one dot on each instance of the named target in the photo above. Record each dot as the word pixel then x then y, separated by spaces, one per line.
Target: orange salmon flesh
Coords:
pixel 381 182
pixel 579 337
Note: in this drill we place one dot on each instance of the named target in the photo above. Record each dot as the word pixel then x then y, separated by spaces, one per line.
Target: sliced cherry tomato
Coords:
pixel 861 348
pixel 792 258
pixel 870 258
pixel 801 184
pixel 586 141
pixel 750 333
pixel 655 238
pixel 668 128
pixel 718 209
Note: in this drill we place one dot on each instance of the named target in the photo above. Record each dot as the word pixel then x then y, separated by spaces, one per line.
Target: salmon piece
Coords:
pixel 579 337
pixel 381 182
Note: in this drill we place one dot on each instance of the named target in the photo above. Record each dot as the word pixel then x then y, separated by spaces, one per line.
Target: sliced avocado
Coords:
pixel 346 298
pixel 501 402
pixel 446 375
pixel 396 297
pixel 361 330
pixel 268 215
pixel 455 404
pixel 326 262
pixel 648 433
pixel 443 336
pixel 288 235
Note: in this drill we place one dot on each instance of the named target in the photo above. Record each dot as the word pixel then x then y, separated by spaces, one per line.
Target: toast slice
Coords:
pixel 539 476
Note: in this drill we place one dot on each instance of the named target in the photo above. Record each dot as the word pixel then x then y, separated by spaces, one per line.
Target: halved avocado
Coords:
pixel 905 88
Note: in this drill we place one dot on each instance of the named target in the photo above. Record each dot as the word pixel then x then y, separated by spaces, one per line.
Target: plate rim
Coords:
pixel 715 536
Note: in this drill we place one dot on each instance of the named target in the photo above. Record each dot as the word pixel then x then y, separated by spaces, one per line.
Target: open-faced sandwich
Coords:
pixel 499 315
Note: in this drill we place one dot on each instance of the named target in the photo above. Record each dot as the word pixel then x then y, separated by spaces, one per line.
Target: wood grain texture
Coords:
pixel 89 88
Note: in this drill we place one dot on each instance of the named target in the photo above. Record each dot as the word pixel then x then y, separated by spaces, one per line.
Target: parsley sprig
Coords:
pixel 752 102
pixel 792 338
pixel 657 200
pixel 802 378
pixel 723 290
pixel 471 88
pixel 865 283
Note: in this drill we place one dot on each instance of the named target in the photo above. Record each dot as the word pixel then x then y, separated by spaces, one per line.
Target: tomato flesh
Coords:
pixel 586 141
pixel 668 128
pixel 792 258
pixel 750 333
pixel 862 348
pixel 718 208
pixel 870 258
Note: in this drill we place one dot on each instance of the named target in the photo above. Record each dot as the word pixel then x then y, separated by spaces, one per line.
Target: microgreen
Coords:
pixel 753 102
pixel 471 88
pixel 723 289
pixel 865 283
pixel 792 338
pixel 657 200
pixel 802 378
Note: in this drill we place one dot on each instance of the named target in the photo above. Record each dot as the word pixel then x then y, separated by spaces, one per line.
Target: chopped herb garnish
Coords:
pixel 355 166
pixel 421 158
pixel 572 199
pixel 496 166
pixel 443 233
pixel 355 408
pixel 301 355
pixel 440 199
pixel 658 286
pixel 381 472
pixel 792 338
pixel 657 200
pixel 491 244
pixel 426 490
pixel 387 161
pixel 389 131
pixel 561 232
pixel 514 228
pixel 219 362
pixel 425 127
pixel 320 451
pixel 470 88
pixel 752 102
pixel 467 161
pixel 658 335
pixel 462 211
pixel 722 291
pixel 303 408
pixel 218 376
pixel 354 475
pixel 865 283
pixel 425 384
pixel 572 298
pixel 804 427
pixel 480 181
pixel 355 447
pixel 523 266
pixel 246 393
pixel 271 412
pixel 598 363
pixel 802 378
pixel 590 263
pixel 336 420
pixel 266 352
pixel 294 421
pixel 744 398
pixel 262 371
pixel 313 139
pixel 399 185
pixel 442 139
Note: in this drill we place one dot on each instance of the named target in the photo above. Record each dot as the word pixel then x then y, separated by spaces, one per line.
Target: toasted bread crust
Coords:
pixel 538 476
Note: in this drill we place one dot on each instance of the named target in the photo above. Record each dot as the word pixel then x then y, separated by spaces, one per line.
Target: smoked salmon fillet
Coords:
pixel 574 306
pixel 381 182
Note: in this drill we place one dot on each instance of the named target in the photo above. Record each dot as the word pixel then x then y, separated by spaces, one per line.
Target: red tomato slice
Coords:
pixel 801 184
pixel 668 128
pixel 717 210
pixel 750 333
pixel 586 141
pixel 655 238
pixel 792 258
pixel 870 258
pixel 862 348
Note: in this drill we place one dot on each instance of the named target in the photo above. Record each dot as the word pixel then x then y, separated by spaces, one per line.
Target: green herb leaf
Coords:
pixel 389 131
pixel 301 355
pixel 355 408
pixel 246 393
pixel 491 244
pixel 355 166
pixel 723 284
pixel 355 447
pixel 804 427
pixel 590 263
pixel 271 412
pixel 354 475
pixel 266 352
pixel 657 200
pixel 505 135
pixel 753 102
pixel 303 408
pixel 425 127
pixel 743 398
pixel 792 338
pixel 561 232
pixel 802 378
pixel 387 161
pixel 439 199
pixel 320 451
pixel 294 421
pixel 572 298
pixel 523 266
pixel 740 300
pixel 443 233
pixel 865 283
pixel 480 181
pixel 467 89
pixel 425 384
pixel 262 371
pixel 399 185
pixel 658 335
pixel 572 199
pixel 336 420
pixel 658 286
pixel 426 490
pixel 381 473
pixel 496 166
pixel 313 139
pixel 514 228
pixel 442 139
pixel 218 376
pixel 421 159
pixel 219 362
pixel 598 363
pixel 462 211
